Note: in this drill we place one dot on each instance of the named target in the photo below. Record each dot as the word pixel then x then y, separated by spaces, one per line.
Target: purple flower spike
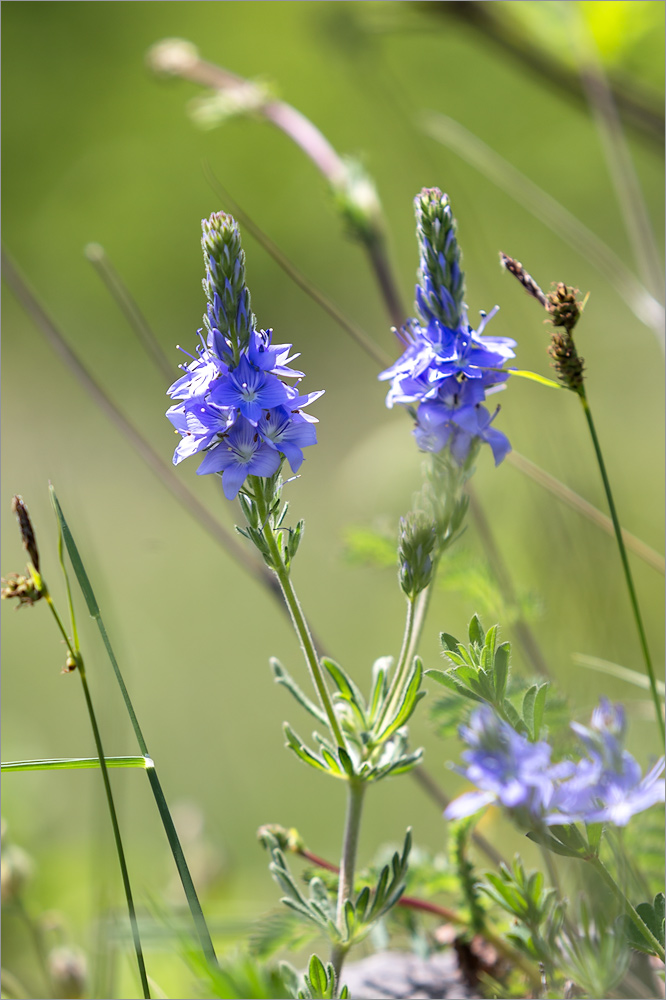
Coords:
pixel 234 404
pixel 443 354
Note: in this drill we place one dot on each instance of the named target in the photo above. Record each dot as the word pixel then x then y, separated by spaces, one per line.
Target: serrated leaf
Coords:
pixel 512 716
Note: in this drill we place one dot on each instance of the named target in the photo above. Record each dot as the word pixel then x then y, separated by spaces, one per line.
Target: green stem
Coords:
pixel 355 794
pixel 298 618
pixel 625 561
pixel 160 800
pixel 76 655
pixel 403 664
pixel 116 833
pixel 627 907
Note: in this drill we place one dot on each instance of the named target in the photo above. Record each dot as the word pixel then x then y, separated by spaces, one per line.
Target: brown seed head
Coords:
pixel 515 268
pixel 27 534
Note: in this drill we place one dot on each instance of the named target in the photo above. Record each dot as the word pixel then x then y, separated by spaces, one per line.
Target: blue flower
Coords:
pixel 233 403
pixel 607 786
pixel 250 389
pixel 240 454
pixel 509 770
pixel 443 354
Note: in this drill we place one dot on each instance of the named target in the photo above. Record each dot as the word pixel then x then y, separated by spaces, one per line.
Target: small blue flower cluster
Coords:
pixel 604 787
pixel 447 368
pixel 234 404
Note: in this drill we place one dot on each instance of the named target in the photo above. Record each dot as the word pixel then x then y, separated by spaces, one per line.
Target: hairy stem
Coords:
pixel 355 794
pixel 298 618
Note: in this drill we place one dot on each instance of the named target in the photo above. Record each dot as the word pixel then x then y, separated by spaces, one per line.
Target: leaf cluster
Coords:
pixel 480 672
pixel 362 910
pixel 288 539
pixel 377 744
pixel 318 983
pixel 536 909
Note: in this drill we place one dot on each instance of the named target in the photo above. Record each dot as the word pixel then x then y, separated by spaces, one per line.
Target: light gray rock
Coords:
pixel 398 975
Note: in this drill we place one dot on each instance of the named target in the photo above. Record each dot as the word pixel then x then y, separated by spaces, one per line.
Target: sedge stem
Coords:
pixel 625 561
pixel 76 656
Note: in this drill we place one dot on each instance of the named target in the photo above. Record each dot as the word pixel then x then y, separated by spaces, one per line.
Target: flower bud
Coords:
pixel 441 288
pixel 415 546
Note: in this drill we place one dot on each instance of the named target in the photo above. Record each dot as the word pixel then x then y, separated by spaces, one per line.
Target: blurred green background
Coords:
pixel 96 148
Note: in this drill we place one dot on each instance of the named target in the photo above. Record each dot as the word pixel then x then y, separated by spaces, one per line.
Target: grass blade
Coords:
pixel 160 800
pixel 72 763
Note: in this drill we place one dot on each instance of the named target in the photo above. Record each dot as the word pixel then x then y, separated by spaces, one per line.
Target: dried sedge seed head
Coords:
pixel 27 534
pixel 566 362
pixel 22 588
pixel 515 268
pixel 562 305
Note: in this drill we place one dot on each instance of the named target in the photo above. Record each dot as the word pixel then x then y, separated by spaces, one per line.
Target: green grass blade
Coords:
pixel 73 763
pixel 160 800
pixel 616 670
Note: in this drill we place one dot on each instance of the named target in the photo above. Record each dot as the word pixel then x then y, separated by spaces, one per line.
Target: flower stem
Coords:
pixel 355 794
pixel 402 667
pixel 625 561
pixel 627 907
pixel 298 618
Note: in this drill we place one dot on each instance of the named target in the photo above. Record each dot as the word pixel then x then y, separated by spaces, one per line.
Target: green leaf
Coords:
pixel 69 763
pixel 449 642
pixel 488 651
pixel 295 743
pixel 540 708
pixel 534 377
pixel 476 632
pixel 501 671
pixel 380 671
pixel 448 680
pixel 317 976
pixel 346 762
pixel 410 698
pixel 282 677
pixel 346 687
pixel 545 840
pixel 528 709
pixel 652 915
pixel 75 558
